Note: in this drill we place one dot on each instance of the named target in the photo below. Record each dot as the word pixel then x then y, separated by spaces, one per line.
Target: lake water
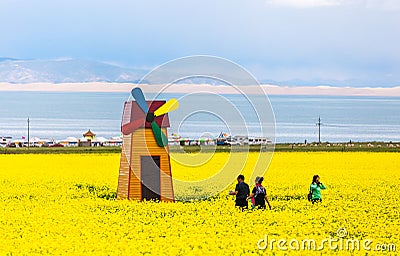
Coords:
pixel 60 115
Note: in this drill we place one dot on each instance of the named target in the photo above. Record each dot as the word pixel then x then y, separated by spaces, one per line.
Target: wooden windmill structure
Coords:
pixel 145 168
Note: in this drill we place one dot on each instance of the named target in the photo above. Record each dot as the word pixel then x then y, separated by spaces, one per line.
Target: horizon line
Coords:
pixel 269 89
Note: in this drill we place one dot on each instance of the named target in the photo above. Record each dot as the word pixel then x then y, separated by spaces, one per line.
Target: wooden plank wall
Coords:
pixel 126 115
pixel 124 168
pixel 144 144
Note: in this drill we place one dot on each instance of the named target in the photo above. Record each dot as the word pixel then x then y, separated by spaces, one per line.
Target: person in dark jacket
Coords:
pixel 241 192
pixel 259 195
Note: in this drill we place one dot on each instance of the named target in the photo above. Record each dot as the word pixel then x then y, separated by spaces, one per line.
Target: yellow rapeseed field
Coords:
pixel 65 204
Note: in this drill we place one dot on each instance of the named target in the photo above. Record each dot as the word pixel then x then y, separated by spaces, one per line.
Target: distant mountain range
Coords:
pixel 356 83
pixel 65 71
pixel 77 71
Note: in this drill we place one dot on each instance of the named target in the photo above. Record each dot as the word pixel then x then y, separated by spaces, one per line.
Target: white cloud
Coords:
pixel 304 3
pixel 388 5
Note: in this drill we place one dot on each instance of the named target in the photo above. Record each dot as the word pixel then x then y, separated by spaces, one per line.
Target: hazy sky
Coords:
pixel 275 39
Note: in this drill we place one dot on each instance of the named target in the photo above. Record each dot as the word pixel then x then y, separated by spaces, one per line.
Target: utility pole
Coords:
pixel 28 132
pixel 319 130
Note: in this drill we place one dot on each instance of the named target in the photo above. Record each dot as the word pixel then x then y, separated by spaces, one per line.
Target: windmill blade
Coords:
pixel 161 139
pixel 140 100
pixel 132 126
pixel 169 106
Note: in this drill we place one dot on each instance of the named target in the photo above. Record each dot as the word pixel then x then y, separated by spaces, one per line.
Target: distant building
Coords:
pixel 89 135
pixel 86 141
pixel 5 141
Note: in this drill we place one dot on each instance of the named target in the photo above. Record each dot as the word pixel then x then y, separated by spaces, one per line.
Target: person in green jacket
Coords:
pixel 315 189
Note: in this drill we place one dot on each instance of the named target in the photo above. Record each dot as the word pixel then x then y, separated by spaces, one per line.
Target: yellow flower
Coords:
pixel 65 204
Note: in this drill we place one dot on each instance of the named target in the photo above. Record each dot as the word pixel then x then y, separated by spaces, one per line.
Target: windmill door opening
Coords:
pixel 150 175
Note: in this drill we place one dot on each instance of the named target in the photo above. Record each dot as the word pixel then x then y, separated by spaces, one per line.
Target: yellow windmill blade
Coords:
pixel 169 106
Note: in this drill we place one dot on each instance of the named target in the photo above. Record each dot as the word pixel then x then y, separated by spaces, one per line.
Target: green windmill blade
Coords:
pixel 161 139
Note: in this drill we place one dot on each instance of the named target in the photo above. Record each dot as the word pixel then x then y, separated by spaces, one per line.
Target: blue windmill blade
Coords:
pixel 139 97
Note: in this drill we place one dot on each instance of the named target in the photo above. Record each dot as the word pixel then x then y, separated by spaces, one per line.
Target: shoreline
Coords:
pixel 220 89
pixel 375 147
